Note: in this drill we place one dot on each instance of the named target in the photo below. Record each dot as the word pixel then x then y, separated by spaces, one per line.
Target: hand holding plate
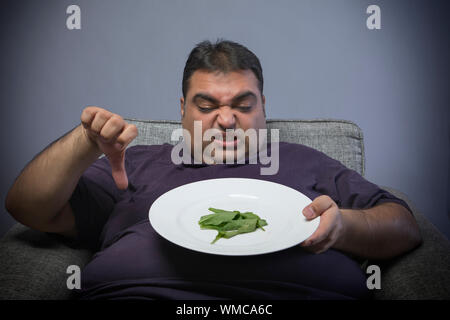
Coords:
pixel 331 225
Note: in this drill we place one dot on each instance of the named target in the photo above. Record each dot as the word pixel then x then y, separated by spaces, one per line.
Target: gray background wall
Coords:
pixel 319 60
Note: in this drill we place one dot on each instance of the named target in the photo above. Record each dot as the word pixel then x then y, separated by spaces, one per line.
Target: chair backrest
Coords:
pixel 340 139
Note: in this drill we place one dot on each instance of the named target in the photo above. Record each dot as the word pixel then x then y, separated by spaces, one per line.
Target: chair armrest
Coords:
pixel 422 273
pixel 33 265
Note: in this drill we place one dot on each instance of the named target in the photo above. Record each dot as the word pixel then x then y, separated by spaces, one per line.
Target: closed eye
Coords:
pixel 211 108
pixel 206 109
pixel 243 108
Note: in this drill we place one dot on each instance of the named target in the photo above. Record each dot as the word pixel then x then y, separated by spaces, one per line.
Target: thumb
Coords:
pixel 318 206
pixel 309 212
pixel 117 162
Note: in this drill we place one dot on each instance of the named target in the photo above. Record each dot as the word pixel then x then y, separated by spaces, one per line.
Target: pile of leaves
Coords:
pixel 231 223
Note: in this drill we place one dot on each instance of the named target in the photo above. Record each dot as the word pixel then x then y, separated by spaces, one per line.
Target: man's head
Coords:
pixel 223 56
pixel 222 88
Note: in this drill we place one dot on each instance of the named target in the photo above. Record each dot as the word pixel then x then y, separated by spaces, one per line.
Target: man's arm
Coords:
pixel 39 196
pixel 381 232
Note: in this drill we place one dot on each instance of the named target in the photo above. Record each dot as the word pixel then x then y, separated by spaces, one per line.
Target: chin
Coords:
pixel 233 155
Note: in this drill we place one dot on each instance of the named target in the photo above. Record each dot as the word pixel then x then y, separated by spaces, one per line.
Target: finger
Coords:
pixel 112 128
pixel 321 233
pixel 317 248
pixel 326 226
pixel 318 207
pixel 325 244
pixel 128 134
pixel 99 121
pixel 328 242
pixel 117 162
pixel 88 115
pixel 320 247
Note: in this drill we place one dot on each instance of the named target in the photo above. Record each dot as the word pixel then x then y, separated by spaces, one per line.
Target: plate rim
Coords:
pixel 315 221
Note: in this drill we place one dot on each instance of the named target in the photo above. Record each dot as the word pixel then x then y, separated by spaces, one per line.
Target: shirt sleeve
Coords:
pixel 92 202
pixel 350 190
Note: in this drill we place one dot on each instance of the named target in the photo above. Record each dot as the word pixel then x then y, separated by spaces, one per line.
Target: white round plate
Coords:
pixel 175 215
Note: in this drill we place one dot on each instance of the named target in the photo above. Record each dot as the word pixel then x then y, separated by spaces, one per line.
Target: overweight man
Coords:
pixel 103 203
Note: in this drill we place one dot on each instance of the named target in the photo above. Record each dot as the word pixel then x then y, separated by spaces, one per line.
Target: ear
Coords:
pixel 263 101
pixel 182 106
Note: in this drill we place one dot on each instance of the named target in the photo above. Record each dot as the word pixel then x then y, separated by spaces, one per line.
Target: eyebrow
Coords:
pixel 206 97
pixel 244 95
pixel 237 98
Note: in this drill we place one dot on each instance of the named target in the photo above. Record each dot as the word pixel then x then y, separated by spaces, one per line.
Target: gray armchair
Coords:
pixel 33 264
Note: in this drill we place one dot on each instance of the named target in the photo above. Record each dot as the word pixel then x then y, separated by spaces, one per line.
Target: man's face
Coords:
pixel 223 101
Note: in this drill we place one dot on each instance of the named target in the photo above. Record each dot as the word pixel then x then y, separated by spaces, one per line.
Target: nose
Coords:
pixel 226 118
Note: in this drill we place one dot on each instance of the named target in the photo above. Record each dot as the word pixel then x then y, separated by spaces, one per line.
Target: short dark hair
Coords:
pixel 223 56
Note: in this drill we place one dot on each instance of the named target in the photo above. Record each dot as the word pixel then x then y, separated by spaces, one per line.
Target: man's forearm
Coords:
pixel 381 232
pixel 47 182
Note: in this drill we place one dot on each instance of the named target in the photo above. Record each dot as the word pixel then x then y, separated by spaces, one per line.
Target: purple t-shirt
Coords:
pixel 133 261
